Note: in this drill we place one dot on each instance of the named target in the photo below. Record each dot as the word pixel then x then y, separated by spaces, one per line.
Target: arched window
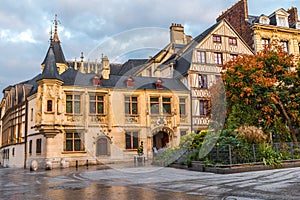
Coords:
pixel 102 147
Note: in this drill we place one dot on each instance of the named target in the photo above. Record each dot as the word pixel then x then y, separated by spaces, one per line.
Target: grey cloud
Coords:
pixel 93 21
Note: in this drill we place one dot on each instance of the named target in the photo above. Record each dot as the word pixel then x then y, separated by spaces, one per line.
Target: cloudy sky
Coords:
pixel 96 27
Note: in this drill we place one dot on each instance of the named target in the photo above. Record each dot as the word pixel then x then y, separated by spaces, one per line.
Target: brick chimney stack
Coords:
pixel 238 17
pixel 293 18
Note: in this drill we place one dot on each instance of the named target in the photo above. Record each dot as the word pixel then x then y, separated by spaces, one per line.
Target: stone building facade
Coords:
pixel 67 115
pixel 280 27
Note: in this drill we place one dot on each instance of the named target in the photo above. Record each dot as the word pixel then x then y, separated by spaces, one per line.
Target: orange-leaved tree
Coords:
pixel 263 90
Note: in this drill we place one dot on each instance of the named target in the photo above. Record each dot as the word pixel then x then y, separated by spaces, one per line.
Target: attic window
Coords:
pixel 282 21
pixel 158 84
pixel 130 82
pixel 232 41
pixel 264 20
pixel 217 39
pixel 96 81
pixel 297 25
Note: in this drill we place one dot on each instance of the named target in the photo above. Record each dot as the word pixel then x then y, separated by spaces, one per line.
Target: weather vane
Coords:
pixel 55 22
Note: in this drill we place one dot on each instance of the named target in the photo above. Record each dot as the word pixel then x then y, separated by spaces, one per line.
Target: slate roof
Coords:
pixel 50 68
pixel 72 77
pixel 255 19
pixel 115 68
pixel 184 61
pixel 30 87
pixel 131 66
pixel 59 55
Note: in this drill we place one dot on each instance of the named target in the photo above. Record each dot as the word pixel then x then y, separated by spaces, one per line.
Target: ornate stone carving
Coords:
pixel 98 119
pixel 131 119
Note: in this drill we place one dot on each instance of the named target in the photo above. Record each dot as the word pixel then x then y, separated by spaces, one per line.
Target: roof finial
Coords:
pixel 81 69
pixel 82 57
pixel 55 22
pixel 50 33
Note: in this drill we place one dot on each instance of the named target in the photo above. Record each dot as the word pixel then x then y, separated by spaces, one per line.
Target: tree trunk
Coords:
pixel 288 120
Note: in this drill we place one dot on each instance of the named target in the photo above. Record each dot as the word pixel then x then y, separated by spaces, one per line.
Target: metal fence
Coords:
pixel 251 153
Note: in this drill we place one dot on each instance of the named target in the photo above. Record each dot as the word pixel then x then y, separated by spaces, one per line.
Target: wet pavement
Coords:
pixel 116 182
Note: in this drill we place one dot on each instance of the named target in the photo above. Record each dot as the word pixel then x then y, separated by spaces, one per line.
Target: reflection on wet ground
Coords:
pixel 147 182
pixel 68 184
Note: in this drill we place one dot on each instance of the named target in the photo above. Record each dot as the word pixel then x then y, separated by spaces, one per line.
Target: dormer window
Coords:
pixel 130 82
pixel 96 80
pixel 297 25
pixel 282 21
pixel 264 20
pixel 159 84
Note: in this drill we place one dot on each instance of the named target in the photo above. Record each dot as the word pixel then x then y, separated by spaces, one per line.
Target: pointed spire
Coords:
pixel 50 69
pixel 55 22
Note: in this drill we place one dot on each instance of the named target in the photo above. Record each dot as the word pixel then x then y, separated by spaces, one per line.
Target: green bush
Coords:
pixel 270 157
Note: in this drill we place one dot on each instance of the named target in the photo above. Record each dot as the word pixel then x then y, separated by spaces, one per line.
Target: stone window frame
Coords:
pixel 134 141
pixel 131 100
pixel 38 147
pixel 97 103
pixel 160 104
pixel 285 45
pixel 49 106
pixel 182 104
pixel 73 102
pixel 73 139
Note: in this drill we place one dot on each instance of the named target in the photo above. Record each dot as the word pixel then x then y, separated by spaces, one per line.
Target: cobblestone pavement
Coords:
pixel 147 183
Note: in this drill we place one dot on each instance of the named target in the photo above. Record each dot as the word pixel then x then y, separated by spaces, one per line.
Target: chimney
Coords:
pixel 293 17
pixel 177 34
pixel 105 67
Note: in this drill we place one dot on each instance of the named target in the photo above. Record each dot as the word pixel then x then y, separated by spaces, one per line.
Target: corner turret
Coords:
pixel 61 62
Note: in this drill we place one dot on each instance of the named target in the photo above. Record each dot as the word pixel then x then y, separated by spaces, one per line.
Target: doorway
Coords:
pixel 161 139
pixel 102 147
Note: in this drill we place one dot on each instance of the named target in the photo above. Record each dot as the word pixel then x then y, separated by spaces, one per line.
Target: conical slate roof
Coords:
pixel 58 52
pixel 50 68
